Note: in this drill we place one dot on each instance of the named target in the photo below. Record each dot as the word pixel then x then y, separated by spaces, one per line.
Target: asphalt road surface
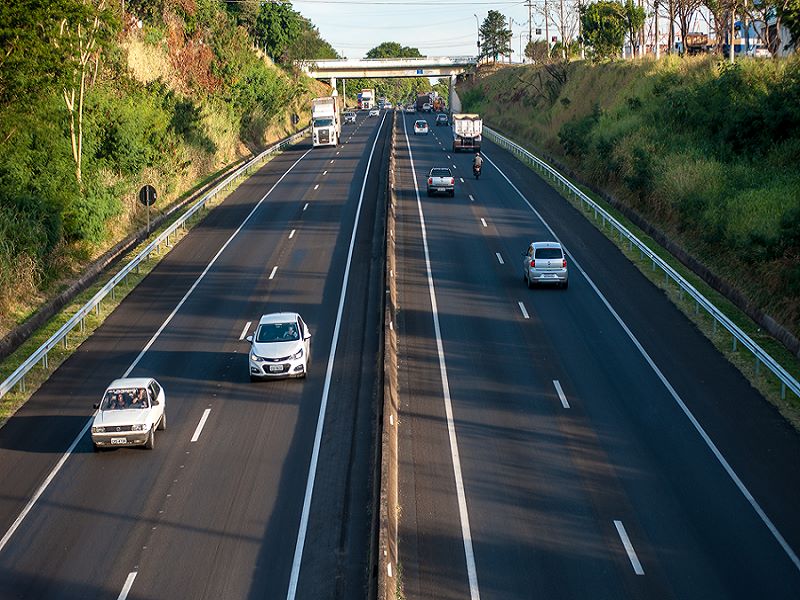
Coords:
pixel 579 443
pixel 272 496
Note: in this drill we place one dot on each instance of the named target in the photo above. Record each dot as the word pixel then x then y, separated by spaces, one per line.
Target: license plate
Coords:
pixel 550 276
pixel 119 440
pixel 276 368
pixel 441 189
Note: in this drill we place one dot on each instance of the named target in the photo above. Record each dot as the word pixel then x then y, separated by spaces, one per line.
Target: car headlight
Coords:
pixel 256 358
pixel 297 354
pixel 98 429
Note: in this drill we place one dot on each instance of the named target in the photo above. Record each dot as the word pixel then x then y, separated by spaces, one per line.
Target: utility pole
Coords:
pixel 658 44
pixel 732 33
pixel 563 34
pixel 546 29
pixel 580 32
pixel 530 22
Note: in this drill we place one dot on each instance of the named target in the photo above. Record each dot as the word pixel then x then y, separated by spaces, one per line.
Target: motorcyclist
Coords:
pixel 477 162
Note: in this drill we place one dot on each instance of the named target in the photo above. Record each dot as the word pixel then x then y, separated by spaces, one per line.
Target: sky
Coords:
pixel 437 28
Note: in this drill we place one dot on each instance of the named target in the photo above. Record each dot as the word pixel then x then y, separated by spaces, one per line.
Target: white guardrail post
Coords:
pixel 62 335
pixel 737 335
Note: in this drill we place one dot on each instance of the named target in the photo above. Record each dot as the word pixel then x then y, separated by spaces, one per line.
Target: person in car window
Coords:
pixel 290 333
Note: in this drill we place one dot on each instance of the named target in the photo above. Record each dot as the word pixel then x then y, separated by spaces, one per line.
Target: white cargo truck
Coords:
pixel 326 121
pixel 367 99
pixel 467 129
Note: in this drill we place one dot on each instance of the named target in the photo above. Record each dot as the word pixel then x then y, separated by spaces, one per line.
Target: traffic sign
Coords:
pixel 148 195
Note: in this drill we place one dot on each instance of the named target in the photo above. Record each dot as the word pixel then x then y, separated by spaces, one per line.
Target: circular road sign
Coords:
pixel 148 195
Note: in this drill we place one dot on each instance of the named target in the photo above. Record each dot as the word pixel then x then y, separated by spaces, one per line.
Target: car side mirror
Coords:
pixel 307 336
pixel 249 338
pixel 156 403
pixel 96 405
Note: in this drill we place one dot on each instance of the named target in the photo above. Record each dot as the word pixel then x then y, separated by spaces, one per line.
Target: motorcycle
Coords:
pixel 476 170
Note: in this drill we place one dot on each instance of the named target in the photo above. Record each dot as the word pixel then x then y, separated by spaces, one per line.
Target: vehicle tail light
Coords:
pixel 564 264
pixel 452 181
pixel 533 263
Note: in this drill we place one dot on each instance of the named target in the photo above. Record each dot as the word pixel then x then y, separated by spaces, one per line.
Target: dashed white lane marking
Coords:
pixel 522 308
pixel 499 258
pixel 316 187
pixel 325 172
pixel 471 199
pixel 462 179
pixel 337 153
pixel 274 270
pixel 126 589
pixel 448 156
pixel 637 566
pixel 291 235
pixel 305 207
pixel 332 160
pixel 483 222
pixel 560 393
pixel 455 167
pixel 201 424
pixel 244 330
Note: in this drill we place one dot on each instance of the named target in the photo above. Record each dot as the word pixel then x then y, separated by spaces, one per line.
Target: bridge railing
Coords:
pixel 738 337
pixel 39 356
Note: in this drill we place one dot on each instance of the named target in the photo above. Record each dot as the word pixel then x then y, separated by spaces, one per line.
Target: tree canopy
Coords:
pixel 393 50
pixel 604 25
pixel 495 37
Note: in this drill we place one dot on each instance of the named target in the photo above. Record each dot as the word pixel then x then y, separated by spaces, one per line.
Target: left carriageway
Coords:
pixel 256 490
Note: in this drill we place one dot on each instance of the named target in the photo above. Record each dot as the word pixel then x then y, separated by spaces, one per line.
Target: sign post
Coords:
pixel 148 196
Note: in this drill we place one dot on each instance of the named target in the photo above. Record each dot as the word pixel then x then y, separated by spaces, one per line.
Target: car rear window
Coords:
pixel 441 173
pixel 548 253
pixel 422 124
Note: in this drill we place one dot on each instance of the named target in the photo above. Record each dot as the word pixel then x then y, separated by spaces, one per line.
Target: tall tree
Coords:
pixel 634 20
pixel 495 37
pixel 789 15
pixel 277 26
pixel 393 50
pixel 603 26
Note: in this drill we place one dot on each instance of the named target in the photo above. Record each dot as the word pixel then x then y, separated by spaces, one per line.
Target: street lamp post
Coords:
pixel 478 26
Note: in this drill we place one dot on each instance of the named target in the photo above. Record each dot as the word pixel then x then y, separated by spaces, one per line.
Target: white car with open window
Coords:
pixel 129 414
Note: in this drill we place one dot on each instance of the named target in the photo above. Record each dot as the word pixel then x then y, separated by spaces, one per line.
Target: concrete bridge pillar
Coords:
pixel 452 101
pixel 334 92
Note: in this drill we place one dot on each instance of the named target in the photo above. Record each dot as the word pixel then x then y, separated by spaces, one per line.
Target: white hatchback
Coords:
pixel 546 263
pixel 420 126
pixel 129 414
pixel 280 347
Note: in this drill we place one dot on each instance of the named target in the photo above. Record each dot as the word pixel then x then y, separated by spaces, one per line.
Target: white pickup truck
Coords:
pixel 441 180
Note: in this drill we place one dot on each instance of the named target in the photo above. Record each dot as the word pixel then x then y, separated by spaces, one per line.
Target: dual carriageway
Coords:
pixel 553 443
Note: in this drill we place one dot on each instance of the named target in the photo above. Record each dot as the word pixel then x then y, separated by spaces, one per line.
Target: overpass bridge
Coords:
pixel 428 66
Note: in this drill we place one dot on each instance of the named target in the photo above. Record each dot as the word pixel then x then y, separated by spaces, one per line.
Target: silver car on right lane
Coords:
pixel 545 263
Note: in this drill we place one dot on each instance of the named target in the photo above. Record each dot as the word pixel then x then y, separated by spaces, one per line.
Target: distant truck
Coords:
pixel 438 104
pixel 467 130
pixel 697 43
pixel 422 100
pixel 326 121
pixel 367 99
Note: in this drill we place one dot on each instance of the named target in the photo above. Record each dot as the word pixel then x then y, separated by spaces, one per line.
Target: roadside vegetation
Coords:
pixel 95 103
pixel 704 150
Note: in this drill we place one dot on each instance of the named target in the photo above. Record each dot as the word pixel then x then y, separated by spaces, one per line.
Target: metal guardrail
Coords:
pixel 737 335
pixel 77 320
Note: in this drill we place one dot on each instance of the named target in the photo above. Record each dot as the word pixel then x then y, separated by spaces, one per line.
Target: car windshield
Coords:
pixel 440 173
pixel 323 122
pixel 125 398
pixel 548 253
pixel 277 332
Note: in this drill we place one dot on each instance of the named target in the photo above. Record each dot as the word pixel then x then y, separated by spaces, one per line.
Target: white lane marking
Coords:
pixel 316 187
pixel 499 258
pixel 455 167
pixel 448 156
pixel 337 153
pixel 24 513
pixel 560 393
pixel 637 566
pixel 665 382
pixel 244 331
pixel 126 589
pixel 522 308
pixel 466 534
pixel 291 235
pixel 471 199
pixel 274 270
pixel 325 172
pixel 462 179
pixel 305 207
pixel 312 469
pixel 332 160
pixel 200 425
pixel 483 222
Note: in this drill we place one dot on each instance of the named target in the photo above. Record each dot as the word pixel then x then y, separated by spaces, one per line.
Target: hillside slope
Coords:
pixel 704 151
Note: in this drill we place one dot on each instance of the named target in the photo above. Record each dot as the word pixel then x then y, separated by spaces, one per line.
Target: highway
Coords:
pixel 579 443
pixel 255 490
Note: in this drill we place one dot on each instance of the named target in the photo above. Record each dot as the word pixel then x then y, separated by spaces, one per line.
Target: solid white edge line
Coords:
pixel 126 589
pixel 274 270
pixel 312 469
pixel 200 425
pixel 305 207
pixel 522 308
pixel 466 533
pixel 637 566
pixel 560 393
pixel 244 330
pixel 678 400
pixel 483 222
pixel 291 235
pixel 499 258
pixel 65 456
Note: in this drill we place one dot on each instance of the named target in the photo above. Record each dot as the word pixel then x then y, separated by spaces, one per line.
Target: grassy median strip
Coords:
pixel 758 374
pixel 14 399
